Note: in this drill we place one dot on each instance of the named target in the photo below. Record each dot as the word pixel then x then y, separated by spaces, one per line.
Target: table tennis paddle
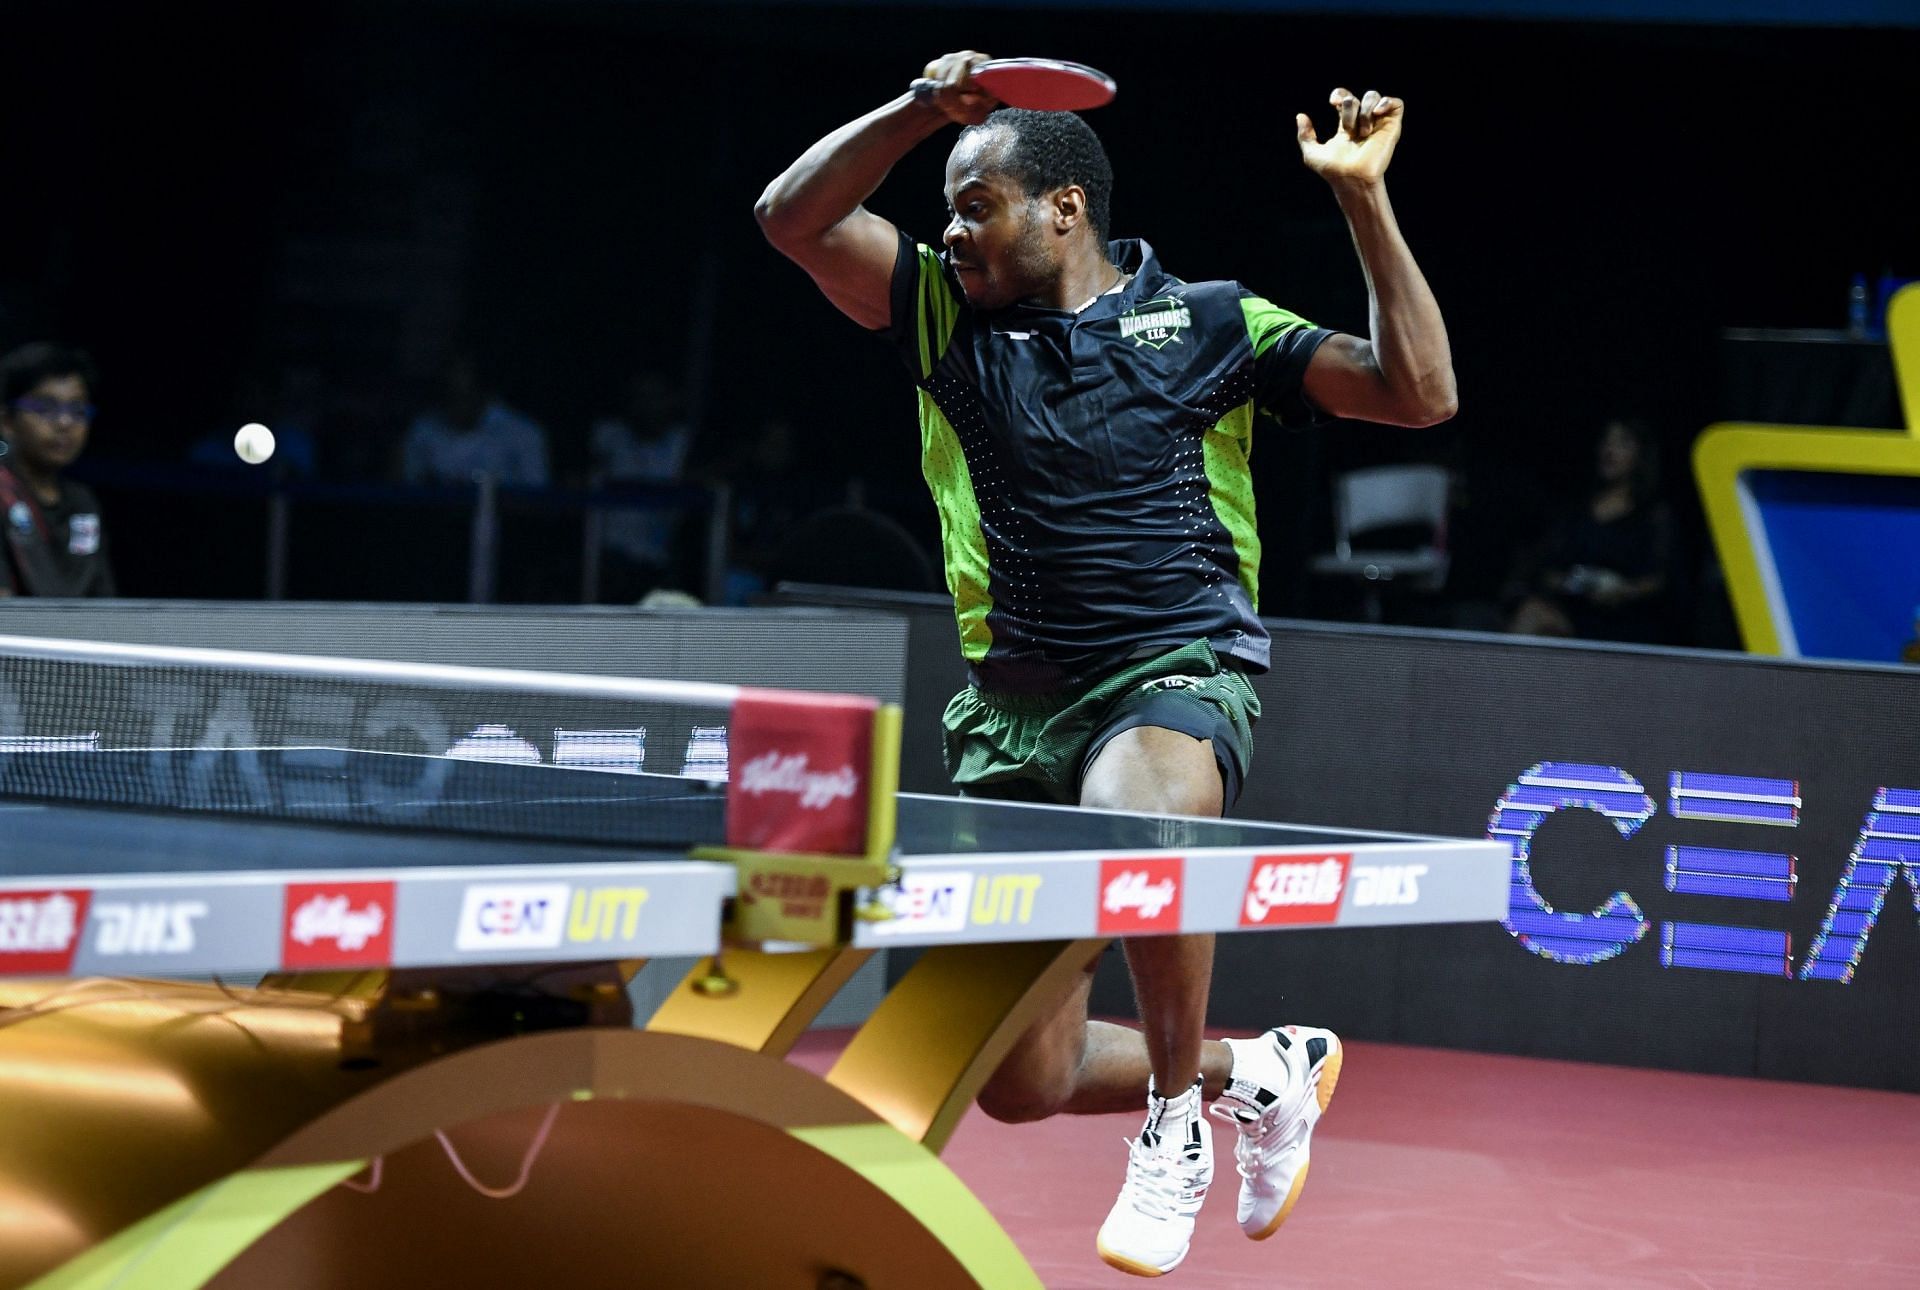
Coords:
pixel 1044 84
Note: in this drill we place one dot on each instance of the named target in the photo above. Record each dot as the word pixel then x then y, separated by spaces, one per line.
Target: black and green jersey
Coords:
pixel 1090 469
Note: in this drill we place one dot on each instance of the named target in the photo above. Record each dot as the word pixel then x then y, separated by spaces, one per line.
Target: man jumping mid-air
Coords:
pixel 1085 424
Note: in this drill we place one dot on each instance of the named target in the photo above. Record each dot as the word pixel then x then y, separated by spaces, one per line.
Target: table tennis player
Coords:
pixel 1086 419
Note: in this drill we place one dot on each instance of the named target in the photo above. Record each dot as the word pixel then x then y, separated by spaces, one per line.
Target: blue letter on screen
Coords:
pixel 1889 844
pixel 1569 786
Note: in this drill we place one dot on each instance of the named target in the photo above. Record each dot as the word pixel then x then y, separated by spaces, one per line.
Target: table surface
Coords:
pixel 171 862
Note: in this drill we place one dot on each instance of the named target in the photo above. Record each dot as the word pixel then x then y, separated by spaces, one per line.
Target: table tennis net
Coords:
pixel 574 758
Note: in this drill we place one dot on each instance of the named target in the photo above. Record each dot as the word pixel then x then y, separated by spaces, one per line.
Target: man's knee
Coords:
pixel 1013 1101
pixel 1157 771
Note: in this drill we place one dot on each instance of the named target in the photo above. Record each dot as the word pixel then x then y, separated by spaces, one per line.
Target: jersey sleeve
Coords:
pixel 926 308
pixel 1283 342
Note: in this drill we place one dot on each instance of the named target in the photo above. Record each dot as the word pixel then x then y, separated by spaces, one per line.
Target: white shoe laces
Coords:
pixel 1263 1139
pixel 1156 1186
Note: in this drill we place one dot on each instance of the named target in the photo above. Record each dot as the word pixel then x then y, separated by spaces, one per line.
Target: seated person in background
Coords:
pixel 648 443
pixel 1603 572
pixel 473 433
pixel 53 543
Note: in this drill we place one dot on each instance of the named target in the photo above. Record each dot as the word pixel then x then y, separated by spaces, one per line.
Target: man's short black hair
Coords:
pixel 1050 150
pixel 27 366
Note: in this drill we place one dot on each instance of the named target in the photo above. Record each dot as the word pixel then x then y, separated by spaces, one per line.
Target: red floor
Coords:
pixel 1448 1169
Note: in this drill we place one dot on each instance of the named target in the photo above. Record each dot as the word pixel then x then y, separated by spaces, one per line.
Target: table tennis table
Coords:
pixel 326 869
pixel 257 860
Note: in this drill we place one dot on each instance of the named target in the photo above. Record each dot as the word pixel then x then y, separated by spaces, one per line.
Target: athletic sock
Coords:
pixel 1173 1115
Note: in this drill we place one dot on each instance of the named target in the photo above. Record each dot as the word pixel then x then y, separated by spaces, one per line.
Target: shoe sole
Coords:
pixel 1323 1094
pixel 1130 1266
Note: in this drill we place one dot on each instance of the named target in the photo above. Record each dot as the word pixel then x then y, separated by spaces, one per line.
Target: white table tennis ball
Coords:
pixel 254 443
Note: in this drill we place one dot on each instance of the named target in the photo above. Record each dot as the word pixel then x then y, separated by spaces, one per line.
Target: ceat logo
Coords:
pixel 344 924
pixel 145 927
pixel 1140 895
pixel 512 916
pixel 926 904
pixel 39 930
pixel 1294 889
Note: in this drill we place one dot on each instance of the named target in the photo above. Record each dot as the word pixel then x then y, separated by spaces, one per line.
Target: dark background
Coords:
pixel 205 192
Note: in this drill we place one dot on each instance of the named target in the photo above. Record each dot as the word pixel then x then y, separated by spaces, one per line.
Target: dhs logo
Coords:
pixel 512 916
pixel 1387 884
pixel 123 927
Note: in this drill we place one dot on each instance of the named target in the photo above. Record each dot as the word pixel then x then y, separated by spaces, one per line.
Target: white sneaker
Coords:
pixel 1169 1168
pixel 1279 1086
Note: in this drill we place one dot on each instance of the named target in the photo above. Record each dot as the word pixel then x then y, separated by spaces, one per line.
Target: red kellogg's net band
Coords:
pixel 800 768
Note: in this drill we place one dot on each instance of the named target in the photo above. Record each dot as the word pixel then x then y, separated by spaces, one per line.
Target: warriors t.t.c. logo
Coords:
pixel 1157 322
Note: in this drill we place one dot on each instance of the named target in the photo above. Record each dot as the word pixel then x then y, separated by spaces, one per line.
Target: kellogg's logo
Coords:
pixel 39 930
pixel 1140 895
pixel 1286 889
pixel 348 924
pixel 817 790
pixel 799 772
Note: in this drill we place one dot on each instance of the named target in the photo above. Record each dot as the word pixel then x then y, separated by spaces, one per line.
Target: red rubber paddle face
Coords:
pixel 1045 84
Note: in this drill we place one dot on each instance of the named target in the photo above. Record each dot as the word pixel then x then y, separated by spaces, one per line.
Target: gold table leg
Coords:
pixel 943 1030
pixel 776 997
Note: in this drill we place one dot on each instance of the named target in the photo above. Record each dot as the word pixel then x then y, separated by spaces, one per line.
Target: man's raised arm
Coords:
pixel 1404 374
pixel 813 214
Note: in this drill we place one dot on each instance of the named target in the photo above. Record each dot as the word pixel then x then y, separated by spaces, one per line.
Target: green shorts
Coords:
pixel 1037 747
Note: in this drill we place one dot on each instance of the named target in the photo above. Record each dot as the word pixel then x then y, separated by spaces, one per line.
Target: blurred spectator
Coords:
pixel 1603 571
pixel 472 433
pixel 647 443
pixel 771 492
pixel 290 407
pixel 54 543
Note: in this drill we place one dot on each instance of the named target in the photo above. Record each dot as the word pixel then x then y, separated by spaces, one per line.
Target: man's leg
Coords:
pixel 1066 1063
pixel 1164 772
pixel 1170 1166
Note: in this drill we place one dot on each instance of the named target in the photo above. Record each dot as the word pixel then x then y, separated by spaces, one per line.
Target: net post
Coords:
pixel 883 783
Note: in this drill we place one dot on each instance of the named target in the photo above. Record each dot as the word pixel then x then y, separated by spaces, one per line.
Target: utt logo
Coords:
pixel 145 927
pixel 606 914
pixel 926 904
pixel 348 924
pixel 1004 899
pixel 512 916
pixel 1387 884
pixel 39 930
pixel 1140 895
pixel 1288 889
pixel 817 790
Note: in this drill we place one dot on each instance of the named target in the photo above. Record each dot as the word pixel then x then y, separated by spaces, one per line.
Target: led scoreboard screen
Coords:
pixel 1716 859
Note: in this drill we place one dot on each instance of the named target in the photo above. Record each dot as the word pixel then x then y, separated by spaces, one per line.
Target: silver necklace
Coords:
pixel 1125 278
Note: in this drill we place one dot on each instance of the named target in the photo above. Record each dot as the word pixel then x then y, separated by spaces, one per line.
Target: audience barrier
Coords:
pixel 284 538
